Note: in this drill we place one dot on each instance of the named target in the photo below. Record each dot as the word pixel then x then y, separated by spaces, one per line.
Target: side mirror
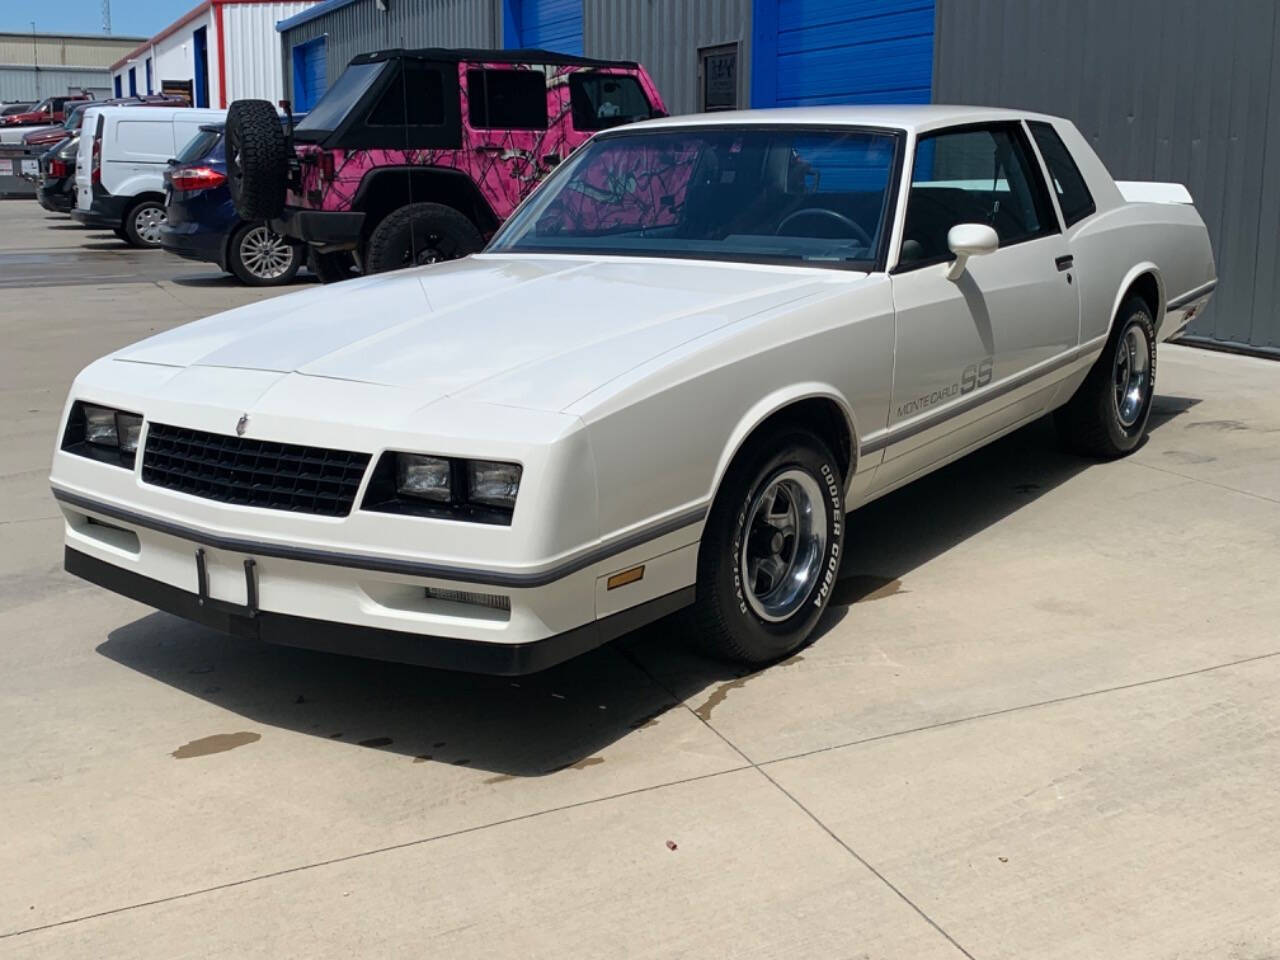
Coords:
pixel 969 240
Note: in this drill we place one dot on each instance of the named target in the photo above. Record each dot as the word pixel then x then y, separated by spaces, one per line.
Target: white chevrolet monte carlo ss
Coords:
pixel 662 385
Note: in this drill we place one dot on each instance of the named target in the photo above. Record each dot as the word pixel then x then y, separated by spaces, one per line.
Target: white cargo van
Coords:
pixel 121 163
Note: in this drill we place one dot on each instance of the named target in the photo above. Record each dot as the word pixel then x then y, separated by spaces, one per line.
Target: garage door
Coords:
pixel 544 24
pixel 309 74
pixel 841 51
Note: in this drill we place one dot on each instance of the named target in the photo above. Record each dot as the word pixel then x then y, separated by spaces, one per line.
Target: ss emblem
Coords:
pixel 975 375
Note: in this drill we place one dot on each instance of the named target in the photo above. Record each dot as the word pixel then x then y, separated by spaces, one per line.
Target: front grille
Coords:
pixel 253 473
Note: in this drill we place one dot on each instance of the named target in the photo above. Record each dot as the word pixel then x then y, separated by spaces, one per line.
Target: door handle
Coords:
pixel 1065 263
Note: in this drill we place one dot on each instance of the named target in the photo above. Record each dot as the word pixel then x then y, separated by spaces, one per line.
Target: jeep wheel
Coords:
pixel 257 160
pixel 420 233
pixel 142 223
pixel 771 549
pixel 259 258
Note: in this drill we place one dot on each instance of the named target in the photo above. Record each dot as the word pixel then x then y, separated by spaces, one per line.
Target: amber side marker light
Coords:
pixel 625 577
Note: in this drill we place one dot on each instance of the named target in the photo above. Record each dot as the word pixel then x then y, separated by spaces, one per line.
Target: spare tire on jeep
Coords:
pixel 257 159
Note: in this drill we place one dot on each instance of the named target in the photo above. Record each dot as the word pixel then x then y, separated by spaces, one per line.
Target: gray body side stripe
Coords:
pixel 1193 294
pixel 885 438
pixel 416 568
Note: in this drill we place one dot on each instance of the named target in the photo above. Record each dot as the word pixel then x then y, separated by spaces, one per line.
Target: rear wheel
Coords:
pixel 257 159
pixel 1107 416
pixel 142 223
pixel 771 549
pixel 418 234
pixel 260 258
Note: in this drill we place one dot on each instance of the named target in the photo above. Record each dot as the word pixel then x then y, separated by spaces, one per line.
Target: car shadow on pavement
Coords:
pixel 540 724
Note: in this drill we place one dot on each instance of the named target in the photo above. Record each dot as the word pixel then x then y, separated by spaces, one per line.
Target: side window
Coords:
pixel 602 100
pixel 1073 194
pixel 507 99
pixel 424 105
pixel 976 175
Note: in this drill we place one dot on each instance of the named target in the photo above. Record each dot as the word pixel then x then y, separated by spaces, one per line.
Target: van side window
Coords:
pixel 602 100
pixel 507 99
pixel 424 106
pixel 1073 194
pixel 973 175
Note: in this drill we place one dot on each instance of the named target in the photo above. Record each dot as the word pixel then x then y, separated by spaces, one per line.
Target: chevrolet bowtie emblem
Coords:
pixel 242 425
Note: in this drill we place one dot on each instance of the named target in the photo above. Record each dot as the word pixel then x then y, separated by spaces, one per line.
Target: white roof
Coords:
pixel 907 116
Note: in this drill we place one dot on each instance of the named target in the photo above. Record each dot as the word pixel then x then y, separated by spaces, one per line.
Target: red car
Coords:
pixel 48 111
pixel 48 136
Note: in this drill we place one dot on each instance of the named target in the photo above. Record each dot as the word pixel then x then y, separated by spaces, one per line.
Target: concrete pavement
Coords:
pixel 1040 721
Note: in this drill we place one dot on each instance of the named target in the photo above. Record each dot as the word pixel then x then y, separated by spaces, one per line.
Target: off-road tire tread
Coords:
pixel 386 243
pixel 259 193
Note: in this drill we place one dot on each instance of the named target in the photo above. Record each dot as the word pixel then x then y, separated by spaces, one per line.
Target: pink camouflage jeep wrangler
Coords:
pixel 415 156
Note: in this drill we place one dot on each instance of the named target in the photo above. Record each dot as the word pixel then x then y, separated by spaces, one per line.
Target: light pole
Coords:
pixel 35 57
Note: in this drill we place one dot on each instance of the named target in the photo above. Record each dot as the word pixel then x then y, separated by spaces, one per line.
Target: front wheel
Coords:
pixel 142 224
pixel 1107 416
pixel 260 258
pixel 771 548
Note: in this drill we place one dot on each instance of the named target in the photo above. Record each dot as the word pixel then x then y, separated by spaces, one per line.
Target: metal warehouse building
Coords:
pixel 34 66
pixel 220 51
pixel 1198 102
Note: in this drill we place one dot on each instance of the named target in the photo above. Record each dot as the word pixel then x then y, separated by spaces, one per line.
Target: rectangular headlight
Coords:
pixel 102 433
pixel 427 477
pixel 493 484
pixel 100 426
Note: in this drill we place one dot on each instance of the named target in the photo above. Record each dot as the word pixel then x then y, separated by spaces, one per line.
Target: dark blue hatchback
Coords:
pixel 202 223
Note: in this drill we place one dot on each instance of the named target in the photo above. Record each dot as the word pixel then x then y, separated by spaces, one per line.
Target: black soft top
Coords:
pixel 457 55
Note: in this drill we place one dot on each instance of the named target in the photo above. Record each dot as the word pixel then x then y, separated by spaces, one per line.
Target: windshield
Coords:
pixel 44 106
pixel 337 102
pixel 765 195
pixel 75 117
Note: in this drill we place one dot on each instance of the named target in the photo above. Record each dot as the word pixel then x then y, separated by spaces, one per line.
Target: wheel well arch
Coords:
pixel 818 408
pixel 1143 280
pixel 387 189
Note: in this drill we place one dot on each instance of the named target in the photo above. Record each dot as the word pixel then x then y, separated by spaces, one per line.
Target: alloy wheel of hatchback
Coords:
pixel 266 255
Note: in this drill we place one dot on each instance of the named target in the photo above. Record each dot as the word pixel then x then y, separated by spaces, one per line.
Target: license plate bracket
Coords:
pixel 248 609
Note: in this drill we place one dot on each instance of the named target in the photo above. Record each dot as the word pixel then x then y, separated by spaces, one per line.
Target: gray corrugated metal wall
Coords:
pixel 25 83
pixel 360 28
pixel 1171 90
pixel 665 35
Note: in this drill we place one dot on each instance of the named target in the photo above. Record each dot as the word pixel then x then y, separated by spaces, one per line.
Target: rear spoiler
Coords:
pixel 1142 191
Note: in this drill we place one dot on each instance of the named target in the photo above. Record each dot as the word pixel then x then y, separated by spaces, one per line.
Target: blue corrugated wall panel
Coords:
pixel 841 51
pixel 309 65
pixel 544 24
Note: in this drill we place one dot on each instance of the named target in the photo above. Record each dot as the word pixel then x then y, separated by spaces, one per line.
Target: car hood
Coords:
pixel 523 331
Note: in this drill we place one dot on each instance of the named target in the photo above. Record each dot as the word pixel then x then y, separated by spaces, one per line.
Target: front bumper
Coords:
pixel 448 653
pixel 104 211
pixel 328 231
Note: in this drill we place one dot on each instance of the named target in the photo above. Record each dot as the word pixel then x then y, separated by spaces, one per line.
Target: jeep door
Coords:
pixel 973 354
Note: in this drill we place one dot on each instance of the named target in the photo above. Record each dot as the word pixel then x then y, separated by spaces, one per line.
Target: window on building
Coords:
pixel 1073 194
pixel 973 176
pixel 718 72
pixel 507 99
pixel 424 105
pixel 602 100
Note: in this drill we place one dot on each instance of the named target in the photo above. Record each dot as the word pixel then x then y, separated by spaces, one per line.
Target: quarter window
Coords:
pixel 975 175
pixel 602 100
pixel 413 98
pixel 1073 194
pixel 507 99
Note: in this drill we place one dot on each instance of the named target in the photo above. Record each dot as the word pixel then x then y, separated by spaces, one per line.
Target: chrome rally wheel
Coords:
pixel 786 537
pixel 1132 374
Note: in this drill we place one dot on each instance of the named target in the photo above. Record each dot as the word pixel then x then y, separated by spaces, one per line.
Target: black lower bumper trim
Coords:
pixel 330 230
pixel 445 653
